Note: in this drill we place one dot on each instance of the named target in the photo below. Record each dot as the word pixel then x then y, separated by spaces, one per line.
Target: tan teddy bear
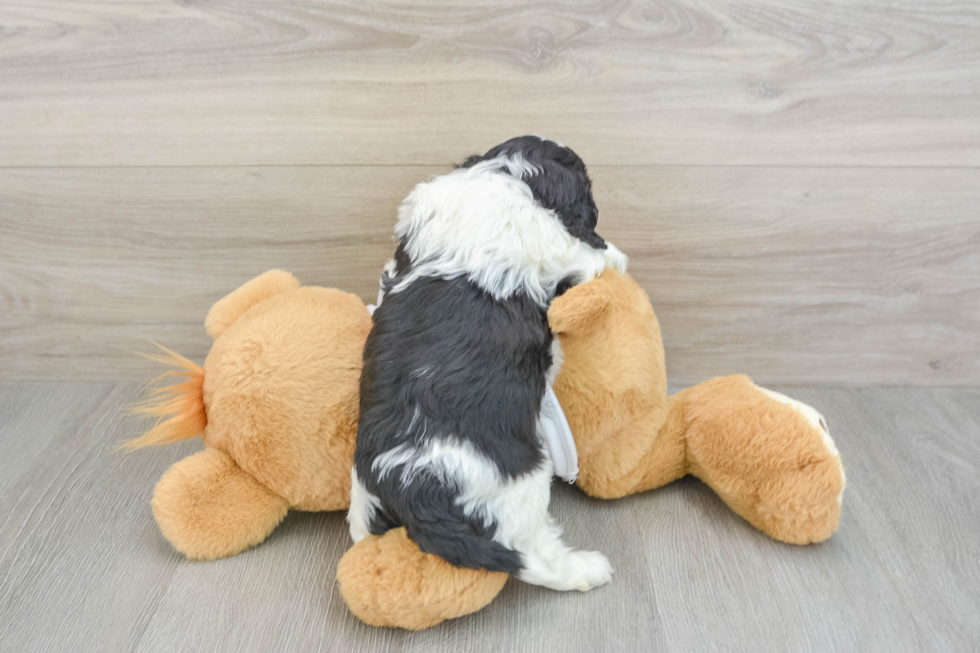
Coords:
pixel 277 402
pixel 276 406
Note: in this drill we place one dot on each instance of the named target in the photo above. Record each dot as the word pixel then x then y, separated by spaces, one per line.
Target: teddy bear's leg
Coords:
pixel 209 508
pixel 663 461
pixel 387 581
pixel 769 457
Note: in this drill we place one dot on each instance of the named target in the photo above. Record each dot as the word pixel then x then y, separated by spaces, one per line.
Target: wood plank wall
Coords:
pixel 797 182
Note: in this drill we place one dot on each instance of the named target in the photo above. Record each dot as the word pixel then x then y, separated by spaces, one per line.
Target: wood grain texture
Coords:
pixel 83 567
pixel 847 276
pixel 793 275
pixel 227 82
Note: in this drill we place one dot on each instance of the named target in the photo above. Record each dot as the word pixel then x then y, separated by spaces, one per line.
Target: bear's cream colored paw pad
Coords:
pixel 817 421
pixel 812 415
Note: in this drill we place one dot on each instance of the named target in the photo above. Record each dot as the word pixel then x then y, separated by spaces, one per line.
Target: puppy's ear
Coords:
pixel 568 192
pixel 582 309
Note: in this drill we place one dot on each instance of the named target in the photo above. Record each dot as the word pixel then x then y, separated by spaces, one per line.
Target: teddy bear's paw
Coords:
pixel 210 508
pixel 802 506
pixel 818 422
pixel 810 413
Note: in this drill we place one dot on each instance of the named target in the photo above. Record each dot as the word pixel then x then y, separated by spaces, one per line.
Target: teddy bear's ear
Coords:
pixel 581 309
pixel 233 305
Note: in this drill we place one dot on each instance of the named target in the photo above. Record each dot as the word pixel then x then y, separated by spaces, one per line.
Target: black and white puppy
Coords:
pixel 456 365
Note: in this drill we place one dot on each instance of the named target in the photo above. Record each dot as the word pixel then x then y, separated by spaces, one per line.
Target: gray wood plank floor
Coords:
pixel 83 567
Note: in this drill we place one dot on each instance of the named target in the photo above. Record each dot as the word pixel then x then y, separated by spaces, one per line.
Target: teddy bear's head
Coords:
pixel 281 390
pixel 612 384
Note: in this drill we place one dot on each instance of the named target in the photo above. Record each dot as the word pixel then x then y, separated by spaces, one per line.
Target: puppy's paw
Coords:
pixel 571 570
pixel 589 569
pixel 615 258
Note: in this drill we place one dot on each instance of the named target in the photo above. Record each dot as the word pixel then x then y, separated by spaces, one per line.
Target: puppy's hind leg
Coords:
pixel 524 524
pixel 548 562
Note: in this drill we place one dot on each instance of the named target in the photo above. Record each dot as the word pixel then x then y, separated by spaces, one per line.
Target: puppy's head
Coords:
pixel 519 218
pixel 557 178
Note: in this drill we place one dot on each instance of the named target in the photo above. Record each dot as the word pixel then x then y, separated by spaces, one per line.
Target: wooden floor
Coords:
pixel 83 567
pixel 796 181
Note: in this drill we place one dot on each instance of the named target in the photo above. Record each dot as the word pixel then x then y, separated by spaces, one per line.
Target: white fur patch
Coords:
pixel 516 165
pixel 363 505
pixel 615 258
pixel 519 508
pixel 485 226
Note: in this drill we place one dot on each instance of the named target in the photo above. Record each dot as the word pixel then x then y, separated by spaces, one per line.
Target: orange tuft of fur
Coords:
pixel 183 400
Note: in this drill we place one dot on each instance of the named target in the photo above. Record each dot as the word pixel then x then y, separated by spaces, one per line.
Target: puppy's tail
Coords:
pixel 183 400
pixel 458 545
pixel 439 526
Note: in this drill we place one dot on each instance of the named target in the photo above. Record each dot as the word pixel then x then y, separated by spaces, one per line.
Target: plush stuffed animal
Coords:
pixel 277 403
